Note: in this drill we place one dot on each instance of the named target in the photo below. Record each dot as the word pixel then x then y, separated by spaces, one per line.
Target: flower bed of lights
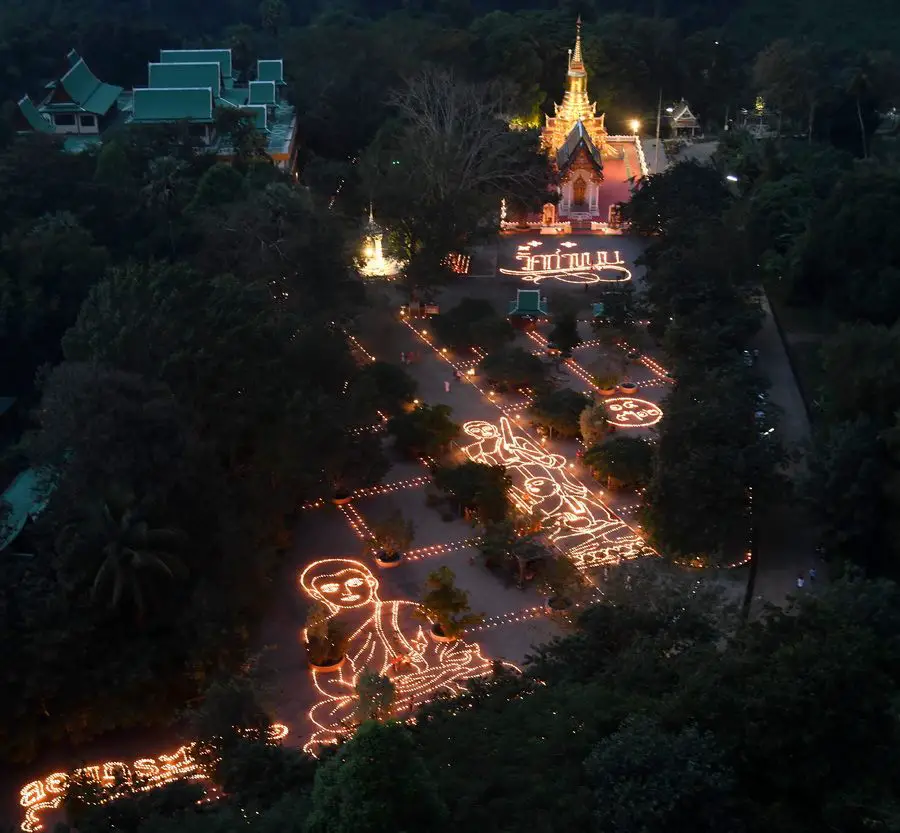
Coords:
pixel 626 412
pixel 386 560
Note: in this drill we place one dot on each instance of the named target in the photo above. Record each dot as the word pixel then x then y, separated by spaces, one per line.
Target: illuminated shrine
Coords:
pixel 577 141
pixel 375 264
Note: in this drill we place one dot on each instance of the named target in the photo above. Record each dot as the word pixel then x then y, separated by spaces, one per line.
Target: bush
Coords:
pixel 478 487
pixel 515 369
pixel 427 430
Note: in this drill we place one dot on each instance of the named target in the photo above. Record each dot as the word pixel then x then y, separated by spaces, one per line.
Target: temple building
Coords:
pixel 77 105
pixel 186 86
pixel 577 142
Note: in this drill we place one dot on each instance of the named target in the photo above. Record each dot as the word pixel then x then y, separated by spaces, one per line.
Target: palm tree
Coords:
pixel 132 551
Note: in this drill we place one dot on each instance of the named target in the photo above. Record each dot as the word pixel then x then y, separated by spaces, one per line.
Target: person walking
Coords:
pixel 800 581
pixel 812 575
pixel 446 386
pixel 402 358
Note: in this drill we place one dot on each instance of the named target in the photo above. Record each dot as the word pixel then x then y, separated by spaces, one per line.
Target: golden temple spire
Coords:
pixel 576 55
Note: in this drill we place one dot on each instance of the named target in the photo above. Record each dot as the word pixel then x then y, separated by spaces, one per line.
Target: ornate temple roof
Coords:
pixel 578 137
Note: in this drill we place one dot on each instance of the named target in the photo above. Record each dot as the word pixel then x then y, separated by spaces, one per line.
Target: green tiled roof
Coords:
pixel 262 92
pixel 33 117
pixel 156 104
pixel 88 91
pixel 236 96
pixel 185 76
pixel 272 70
pixel 24 499
pixel 198 56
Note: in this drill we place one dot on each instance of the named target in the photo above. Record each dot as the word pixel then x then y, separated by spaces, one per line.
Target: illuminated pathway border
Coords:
pixel 587 530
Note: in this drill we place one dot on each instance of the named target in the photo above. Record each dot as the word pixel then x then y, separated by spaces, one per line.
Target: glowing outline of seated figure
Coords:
pixel 376 644
pixel 573 514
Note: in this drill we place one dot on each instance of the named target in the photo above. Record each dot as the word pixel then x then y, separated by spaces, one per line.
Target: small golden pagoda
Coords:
pixel 576 107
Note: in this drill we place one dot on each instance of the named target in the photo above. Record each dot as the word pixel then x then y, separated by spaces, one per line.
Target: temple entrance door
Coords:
pixel 579 195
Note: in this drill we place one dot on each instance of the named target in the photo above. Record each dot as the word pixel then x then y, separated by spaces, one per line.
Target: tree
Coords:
pixel 502 543
pixel 564 334
pixel 375 782
pixel 131 551
pixel 870 81
pixel 860 283
pixel 473 322
pixel 680 196
pixel 649 780
pixel 478 487
pixel 239 127
pixel 793 77
pixel 228 717
pixel 627 461
pixel 445 605
pixel 559 411
pixel 427 430
pixel 848 472
pixel 220 185
pixel 381 387
pixel 47 267
pixel 513 369
pixel 375 696
pixel 392 534
pixel 455 158
pixel 163 191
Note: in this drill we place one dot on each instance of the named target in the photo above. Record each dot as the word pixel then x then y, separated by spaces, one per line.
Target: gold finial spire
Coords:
pixel 371 213
pixel 576 55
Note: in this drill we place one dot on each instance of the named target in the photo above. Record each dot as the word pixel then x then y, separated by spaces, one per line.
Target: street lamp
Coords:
pixel 731 178
pixel 635 125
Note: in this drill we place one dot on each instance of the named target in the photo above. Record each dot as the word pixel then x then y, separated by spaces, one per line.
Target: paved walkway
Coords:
pixel 785 534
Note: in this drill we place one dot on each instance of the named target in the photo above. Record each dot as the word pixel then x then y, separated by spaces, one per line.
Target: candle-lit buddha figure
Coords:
pixel 386 637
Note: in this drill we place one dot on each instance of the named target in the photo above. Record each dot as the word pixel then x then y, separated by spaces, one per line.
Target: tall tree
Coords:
pixel 373 783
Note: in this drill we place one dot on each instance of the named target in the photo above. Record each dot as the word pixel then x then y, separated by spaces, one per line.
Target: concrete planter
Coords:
pixel 324 669
pixel 606 391
pixel 440 636
pixel 386 560
pixel 341 499
pixel 629 388
pixel 558 604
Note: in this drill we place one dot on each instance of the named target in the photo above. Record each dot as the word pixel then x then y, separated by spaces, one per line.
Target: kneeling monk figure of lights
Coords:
pixel 389 639
pixel 573 517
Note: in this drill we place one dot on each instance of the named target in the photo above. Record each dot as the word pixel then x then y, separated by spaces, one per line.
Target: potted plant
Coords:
pixel 562 584
pixel 446 607
pixel 606 383
pixel 390 538
pixel 325 639
pixel 629 388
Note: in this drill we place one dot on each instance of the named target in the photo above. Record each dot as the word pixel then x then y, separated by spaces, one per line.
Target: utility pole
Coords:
pixel 658 121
